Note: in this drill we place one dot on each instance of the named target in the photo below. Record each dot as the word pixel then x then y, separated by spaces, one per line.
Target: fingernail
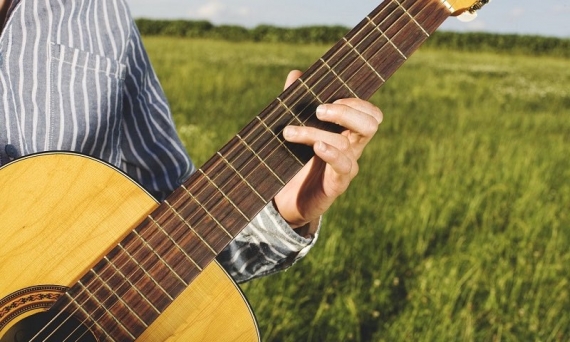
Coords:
pixel 289 132
pixel 321 111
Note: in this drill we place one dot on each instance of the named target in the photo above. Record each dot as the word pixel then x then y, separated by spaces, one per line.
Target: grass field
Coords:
pixel 458 225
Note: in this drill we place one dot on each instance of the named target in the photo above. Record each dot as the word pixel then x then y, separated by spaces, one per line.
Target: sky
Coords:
pixel 536 17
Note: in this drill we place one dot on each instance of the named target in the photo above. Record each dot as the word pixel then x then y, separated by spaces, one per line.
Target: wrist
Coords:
pixel 293 223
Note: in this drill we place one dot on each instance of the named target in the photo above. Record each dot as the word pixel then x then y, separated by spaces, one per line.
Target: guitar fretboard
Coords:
pixel 131 286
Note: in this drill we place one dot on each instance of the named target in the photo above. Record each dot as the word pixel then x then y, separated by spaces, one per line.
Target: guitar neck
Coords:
pixel 197 221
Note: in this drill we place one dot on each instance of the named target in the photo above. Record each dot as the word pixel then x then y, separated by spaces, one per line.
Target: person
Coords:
pixel 74 76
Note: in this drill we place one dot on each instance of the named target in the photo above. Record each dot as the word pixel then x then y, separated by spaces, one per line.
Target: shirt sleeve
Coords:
pixel 154 156
pixel 267 245
pixel 152 151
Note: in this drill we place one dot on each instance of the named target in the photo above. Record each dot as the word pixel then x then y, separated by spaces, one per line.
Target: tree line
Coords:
pixel 534 45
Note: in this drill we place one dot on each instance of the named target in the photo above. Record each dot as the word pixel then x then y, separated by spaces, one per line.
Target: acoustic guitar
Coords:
pixel 88 255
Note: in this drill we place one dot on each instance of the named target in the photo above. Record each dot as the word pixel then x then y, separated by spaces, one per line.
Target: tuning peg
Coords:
pixel 471 13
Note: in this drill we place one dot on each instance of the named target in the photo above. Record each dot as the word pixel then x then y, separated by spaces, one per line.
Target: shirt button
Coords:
pixel 11 151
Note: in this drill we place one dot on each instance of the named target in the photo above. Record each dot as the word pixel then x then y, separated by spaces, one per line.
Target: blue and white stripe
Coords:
pixel 74 76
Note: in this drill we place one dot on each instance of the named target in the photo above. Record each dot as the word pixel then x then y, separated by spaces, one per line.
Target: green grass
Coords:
pixel 458 225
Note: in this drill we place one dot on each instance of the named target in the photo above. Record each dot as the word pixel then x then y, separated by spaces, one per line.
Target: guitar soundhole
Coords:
pixel 49 327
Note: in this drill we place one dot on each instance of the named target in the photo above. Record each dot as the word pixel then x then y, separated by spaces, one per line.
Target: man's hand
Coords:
pixel 327 175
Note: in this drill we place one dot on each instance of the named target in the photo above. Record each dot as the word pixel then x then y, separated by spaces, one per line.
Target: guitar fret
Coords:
pixel 262 176
pixel 203 208
pixel 188 257
pixel 387 38
pixel 365 60
pixel 322 80
pixel 160 298
pixel 130 310
pixel 340 79
pixel 124 276
pixel 145 245
pixel 276 137
pixel 301 123
pixel 113 293
pixel 260 159
pixel 412 17
pixel 80 307
pixel 164 222
pixel 310 90
pixel 234 199
pixel 240 175
pixel 145 272
pixel 302 105
pixel 275 121
pixel 208 213
pixel 364 42
pixel 103 297
pixel 426 17
pixel 350 70
pixel 106 311
pixel 290 111
pixel 158 255
pixel 227 198
pixel 96 311
pixel 162 261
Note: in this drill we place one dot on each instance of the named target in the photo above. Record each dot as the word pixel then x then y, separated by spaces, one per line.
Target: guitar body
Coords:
pixel 59 214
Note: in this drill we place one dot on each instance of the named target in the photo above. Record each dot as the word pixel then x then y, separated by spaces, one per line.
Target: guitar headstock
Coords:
pixel 466 10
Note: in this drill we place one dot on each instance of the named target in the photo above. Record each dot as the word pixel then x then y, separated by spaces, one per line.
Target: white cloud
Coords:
pixel 218 10
pixel 211 9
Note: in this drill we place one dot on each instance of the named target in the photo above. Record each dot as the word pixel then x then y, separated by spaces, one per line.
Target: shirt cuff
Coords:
pixel 267 245
pixel 306 236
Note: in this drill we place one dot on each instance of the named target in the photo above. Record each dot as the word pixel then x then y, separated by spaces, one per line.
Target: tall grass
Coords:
pixel 458 225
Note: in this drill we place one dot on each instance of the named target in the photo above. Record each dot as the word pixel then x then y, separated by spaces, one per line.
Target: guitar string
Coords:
pixel 226 196
pixel 126 280
pixel 295 117
pixel 373 28
pixel 309 78
pixel 109 265
pixel 240 176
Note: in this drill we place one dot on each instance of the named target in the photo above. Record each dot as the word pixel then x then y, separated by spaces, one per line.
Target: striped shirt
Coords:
pixel 74 76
